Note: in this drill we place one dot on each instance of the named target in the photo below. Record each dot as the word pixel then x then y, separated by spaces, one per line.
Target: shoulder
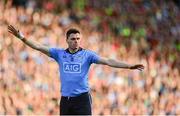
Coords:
pixel 87 50
pixel 56 49
pixel 90 52
pixel 55 52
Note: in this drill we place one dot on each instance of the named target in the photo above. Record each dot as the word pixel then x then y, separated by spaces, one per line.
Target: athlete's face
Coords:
pixel 74 40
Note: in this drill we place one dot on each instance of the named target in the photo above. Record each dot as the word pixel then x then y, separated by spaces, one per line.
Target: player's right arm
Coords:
pixel 30 43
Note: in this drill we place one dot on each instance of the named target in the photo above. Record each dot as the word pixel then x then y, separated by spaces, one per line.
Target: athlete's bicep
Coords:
pixel 102 60
pixel 45 50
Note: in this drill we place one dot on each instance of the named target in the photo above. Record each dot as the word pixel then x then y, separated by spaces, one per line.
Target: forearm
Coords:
pixel 32 44
pixel 117 64
pixel 36 46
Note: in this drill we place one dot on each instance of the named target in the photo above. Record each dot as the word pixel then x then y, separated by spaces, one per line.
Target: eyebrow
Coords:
pixel 75 38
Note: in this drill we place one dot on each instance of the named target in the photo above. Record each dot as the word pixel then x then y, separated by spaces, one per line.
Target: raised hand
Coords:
pixel 15 32
pixel 137 66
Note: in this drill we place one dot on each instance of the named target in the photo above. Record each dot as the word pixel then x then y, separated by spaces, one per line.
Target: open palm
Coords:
pixel 137 66
pixel 14 31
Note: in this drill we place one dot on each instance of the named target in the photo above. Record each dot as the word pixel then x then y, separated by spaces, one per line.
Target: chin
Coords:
pixel 75 48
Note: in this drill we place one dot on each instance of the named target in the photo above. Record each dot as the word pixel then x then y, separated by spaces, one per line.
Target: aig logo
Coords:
pixel 72 67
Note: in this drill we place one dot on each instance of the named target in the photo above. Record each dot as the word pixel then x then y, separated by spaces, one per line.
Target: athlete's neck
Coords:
pixel 73 50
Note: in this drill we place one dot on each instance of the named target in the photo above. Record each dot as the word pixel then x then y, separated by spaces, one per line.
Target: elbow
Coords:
pixel 37 47
pixel 110 62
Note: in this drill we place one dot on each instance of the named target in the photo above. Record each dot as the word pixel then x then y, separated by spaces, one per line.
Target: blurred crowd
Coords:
pixel 133 31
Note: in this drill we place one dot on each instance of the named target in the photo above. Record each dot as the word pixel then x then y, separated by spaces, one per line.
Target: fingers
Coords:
pixel 12 30
pixel 140 67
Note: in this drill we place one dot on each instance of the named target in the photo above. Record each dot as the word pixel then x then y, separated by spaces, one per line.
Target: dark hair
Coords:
pixel 72 30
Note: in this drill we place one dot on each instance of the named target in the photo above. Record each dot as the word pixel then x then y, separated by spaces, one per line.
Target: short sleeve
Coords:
pixel 54 53
pixel 93 57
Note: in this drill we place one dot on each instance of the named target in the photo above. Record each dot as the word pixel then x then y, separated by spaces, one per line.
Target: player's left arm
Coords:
pixel 118 64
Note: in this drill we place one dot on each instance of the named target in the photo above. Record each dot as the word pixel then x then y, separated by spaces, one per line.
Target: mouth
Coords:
pixel 75 45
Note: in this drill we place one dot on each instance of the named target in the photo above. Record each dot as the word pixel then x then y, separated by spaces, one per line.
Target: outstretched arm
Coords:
pixel 118 64
pixel 30 43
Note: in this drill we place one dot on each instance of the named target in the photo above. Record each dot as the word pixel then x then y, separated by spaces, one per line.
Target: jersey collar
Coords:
pixel 67 50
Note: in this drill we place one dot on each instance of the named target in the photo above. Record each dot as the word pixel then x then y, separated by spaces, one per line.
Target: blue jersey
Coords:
pixel 74 69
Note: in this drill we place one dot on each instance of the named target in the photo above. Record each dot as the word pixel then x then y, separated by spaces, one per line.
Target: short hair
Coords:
pixel 71 30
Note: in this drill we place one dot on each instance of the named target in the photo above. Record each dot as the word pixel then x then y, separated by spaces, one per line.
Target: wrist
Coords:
pixel 21 36
pixel 129 67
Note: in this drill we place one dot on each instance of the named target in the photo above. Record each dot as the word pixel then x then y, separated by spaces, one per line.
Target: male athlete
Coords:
pixel 74 63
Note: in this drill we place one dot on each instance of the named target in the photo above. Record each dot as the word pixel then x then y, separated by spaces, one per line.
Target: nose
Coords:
pixel 76 40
